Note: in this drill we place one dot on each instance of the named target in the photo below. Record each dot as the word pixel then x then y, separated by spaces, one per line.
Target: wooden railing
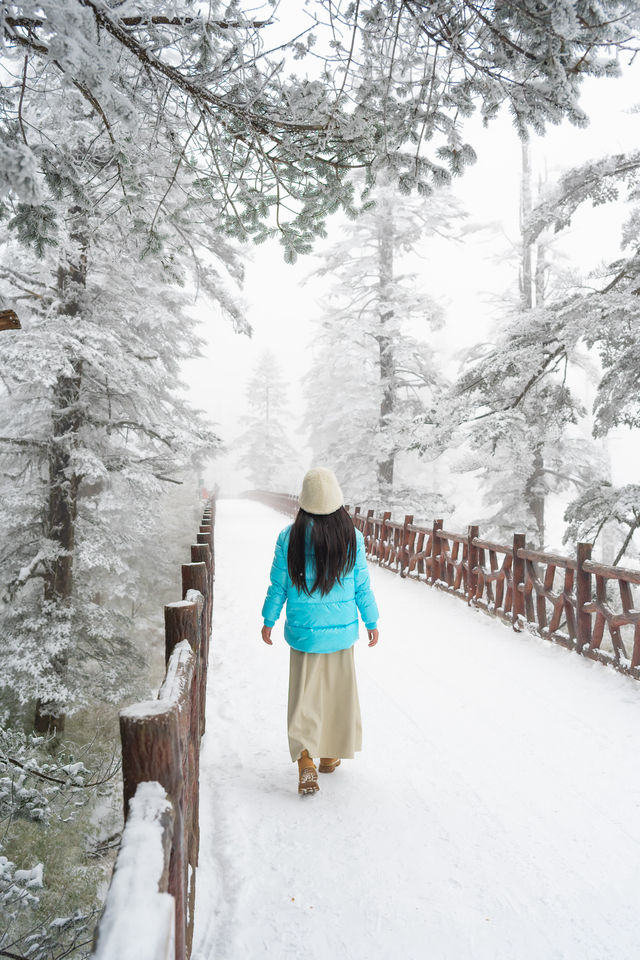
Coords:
pixel 9 320
pixel 149 908
pixel 586 606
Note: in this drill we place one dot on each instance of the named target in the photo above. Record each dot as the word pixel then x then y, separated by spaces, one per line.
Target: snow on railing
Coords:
pixel 149 909
pixel 551 595
pixel 139 915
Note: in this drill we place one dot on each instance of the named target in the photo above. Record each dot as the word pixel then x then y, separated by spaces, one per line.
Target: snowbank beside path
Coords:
pixel 493 813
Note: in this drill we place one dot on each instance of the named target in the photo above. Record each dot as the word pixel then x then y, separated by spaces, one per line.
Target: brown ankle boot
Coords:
pixel 328 764
pixel 307 773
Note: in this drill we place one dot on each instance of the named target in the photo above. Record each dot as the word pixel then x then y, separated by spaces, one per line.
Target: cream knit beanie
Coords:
pixel 320 492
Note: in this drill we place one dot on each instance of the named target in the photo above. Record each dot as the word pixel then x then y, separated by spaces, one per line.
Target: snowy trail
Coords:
pixel 494 813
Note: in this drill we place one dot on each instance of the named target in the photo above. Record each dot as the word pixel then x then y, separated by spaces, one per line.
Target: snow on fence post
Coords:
pixel 138 918
pixel 583 596
pixel 518 577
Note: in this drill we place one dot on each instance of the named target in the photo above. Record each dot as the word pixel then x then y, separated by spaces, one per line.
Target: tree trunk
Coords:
pixel 532 294
pixel 541 272
pixel 526 272
pixel 66 417
pixel 386 458
pixel 535 496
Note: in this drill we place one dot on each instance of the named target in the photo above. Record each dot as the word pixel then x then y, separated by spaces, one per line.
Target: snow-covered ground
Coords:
pixel 493 814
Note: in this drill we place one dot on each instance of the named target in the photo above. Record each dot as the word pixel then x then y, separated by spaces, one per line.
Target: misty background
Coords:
pixel 468 277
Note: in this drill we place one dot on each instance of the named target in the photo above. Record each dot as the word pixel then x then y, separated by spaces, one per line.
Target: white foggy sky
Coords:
pixel 467 278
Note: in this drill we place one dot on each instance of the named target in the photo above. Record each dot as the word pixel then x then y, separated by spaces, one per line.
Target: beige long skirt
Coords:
pixel 323 714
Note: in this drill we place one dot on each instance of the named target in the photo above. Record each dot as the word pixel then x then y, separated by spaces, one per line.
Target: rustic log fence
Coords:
pixel 149 909
pixel 586 606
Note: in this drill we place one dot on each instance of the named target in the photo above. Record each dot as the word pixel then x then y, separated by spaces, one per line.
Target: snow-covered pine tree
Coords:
pixel 399 80
pixel 522 415
pixel 93 428
pixel 48 905
pixel 268 456
pixel 373 373
pixel 93 405
pixel 604 313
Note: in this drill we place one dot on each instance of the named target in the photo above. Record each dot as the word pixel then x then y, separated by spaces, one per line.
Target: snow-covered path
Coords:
pixel 494 813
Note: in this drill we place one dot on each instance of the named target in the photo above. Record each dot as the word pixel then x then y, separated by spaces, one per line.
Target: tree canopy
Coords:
pixel 270 129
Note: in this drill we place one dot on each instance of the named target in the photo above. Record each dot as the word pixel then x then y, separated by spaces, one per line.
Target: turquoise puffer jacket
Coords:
pixel 316 623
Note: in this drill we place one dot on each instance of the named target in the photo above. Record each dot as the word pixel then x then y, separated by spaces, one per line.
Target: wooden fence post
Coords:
pixel 583 595
pixel 518 569
pixel 151 750
pixel 472 562
pixel 382 546
pixel 436 550
pixel 196 597
pixel 205 534
pixel 195 577
pixel 206 540
pixel 404 551
pixel 368 523
pixel 183 621
pixel 209 520
pixel 201 553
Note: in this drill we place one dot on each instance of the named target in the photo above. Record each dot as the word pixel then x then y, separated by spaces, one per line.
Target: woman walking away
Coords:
pixel 320 569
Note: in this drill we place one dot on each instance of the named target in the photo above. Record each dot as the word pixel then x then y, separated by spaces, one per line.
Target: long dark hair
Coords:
pixel 333 542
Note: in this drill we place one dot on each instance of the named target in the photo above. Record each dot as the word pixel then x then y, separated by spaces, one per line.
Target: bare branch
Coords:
pixel 18 442
pixel 159 476
pixel 24 83
pixel 621 552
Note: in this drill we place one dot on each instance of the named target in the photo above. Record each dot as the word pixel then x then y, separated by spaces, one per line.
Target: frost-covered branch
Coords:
pixel 21 442
pixel 34 23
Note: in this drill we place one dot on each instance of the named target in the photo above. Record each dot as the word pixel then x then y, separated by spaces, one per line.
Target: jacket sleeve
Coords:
pixel 277 591
pixel 364 594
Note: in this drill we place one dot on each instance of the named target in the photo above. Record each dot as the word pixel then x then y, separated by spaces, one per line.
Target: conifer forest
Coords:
pixel 241 239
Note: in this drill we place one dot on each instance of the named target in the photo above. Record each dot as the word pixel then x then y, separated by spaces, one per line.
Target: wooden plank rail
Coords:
pixel 572 601
pixel 149 908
